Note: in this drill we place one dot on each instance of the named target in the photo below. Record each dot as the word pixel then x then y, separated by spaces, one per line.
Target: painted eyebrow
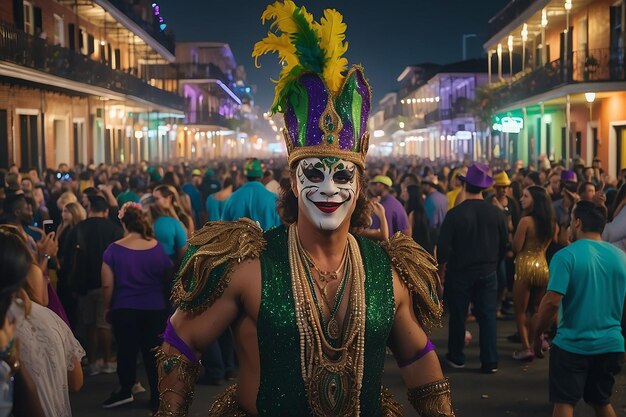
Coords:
pixel 310 171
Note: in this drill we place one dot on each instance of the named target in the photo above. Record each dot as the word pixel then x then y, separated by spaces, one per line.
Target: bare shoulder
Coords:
pixel 401 293
pixel 245 284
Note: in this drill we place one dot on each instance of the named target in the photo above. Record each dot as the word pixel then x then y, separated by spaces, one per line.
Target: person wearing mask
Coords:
pixel 397 219
pixel 532 237
pixel 252 199
pixel 135 270
pixel 87 242
pixel 587 289
pixel 472 243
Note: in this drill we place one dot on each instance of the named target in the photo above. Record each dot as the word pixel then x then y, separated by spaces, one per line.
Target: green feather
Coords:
pixel 306 41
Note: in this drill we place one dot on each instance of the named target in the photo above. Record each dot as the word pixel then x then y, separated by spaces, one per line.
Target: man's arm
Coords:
pixel 193 333
pixel 548 309
pixel 429 391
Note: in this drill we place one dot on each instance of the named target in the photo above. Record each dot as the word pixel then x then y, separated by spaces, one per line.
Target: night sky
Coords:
pixel 383 35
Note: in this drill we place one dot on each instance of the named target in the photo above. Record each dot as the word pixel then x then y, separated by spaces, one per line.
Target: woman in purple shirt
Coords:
pixel 134 270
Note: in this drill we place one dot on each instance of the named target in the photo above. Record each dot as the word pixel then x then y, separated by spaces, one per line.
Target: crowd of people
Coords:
pixel 91 253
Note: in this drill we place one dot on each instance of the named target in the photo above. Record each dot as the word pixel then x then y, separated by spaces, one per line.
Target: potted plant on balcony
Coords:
pixel 591 66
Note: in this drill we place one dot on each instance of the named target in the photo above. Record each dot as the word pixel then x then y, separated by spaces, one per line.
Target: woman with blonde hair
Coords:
pixel 168 229
pixel 166 197
pixel 65 198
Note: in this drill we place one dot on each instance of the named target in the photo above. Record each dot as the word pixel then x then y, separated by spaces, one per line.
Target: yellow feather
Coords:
pixel 332 31
pixel 282 14
pixel 273 43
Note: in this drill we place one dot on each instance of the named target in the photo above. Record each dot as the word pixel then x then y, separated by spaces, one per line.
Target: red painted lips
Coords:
pixel 326 207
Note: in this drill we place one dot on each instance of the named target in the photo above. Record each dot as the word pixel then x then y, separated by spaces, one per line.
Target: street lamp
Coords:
pixel 590 97
pixel 466 36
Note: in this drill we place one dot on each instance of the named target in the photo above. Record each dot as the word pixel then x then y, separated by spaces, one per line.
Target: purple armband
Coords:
pixel 170 336
pixel 428 348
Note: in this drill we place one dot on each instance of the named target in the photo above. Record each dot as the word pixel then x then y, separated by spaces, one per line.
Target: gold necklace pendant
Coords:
pixel 333 329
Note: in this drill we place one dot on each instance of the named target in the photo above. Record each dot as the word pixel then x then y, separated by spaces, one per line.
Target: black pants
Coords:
pixel 134 330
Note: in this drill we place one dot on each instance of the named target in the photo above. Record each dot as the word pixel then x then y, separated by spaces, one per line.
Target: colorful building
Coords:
pixel 566 97
pixel 73 85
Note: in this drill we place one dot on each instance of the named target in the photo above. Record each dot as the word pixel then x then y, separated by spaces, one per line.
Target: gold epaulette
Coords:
pixel 417 270
pixel 213 252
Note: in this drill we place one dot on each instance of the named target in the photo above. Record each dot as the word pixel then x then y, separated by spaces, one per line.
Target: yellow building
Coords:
pixel 565 95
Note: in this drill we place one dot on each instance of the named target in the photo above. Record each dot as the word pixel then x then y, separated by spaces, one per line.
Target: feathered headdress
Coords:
pixel 325 110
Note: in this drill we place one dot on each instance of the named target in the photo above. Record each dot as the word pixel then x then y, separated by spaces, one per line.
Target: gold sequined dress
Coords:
pixel 531 264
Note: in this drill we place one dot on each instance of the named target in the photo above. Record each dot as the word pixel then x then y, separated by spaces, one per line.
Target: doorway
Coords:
pixel 29 141
pixel 620 147
pixel 61 142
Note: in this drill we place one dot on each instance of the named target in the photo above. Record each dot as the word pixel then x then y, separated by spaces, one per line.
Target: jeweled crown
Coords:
pixel 325 112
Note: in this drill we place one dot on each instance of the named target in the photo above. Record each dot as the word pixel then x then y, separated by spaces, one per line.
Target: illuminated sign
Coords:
pixel 464 135
pixel 509 125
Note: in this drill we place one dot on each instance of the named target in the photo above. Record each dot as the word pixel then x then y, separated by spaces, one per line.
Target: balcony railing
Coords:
pixel 28 51
pixel 204 118
pixel 185 72
pixel 510 12
pixel 596 65
pixel 165 38
pixel 439 114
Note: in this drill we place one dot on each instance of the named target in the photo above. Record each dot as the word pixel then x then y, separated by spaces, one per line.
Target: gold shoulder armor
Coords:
pixel 213 252
pixel 417 270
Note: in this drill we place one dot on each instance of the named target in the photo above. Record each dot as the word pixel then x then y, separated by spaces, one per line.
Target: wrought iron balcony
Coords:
pixel 437 115
pixel 205 118
pixel 187 71
pixel 152 28
pixel 28 51
pixel 597 65
pixel 510 12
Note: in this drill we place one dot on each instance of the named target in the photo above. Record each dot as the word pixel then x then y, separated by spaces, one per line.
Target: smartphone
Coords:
pixel 48 226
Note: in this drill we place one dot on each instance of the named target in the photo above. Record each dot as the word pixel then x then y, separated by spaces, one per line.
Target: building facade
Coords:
pixel 74 86
pixel 567 97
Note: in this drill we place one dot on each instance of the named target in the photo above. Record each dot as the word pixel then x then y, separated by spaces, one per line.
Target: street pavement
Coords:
pixel 516 390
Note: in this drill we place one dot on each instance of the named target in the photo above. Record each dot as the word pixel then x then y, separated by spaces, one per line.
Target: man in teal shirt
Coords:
pixel 587 288
pixel 253 200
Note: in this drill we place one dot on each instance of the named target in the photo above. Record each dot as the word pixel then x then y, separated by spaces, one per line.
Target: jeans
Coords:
pixel 482 292
pixel 135 330
pixel 219 358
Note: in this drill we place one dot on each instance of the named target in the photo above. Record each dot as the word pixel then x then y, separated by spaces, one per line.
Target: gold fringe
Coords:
pixel 418 271
pixel 432 399
pixel 389 407
pixel 226 405
pixel 179 376
pixel 218 243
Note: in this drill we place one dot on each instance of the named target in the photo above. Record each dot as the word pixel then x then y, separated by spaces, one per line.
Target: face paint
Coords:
pixel 327 190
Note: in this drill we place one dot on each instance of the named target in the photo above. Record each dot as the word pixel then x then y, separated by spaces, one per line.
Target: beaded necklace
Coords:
pixel 333 384
pixel 332 327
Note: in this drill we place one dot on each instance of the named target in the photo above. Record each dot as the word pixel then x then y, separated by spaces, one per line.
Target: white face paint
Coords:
pixel 327 190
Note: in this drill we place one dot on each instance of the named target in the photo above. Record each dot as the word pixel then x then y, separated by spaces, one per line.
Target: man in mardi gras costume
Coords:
pixel 311 306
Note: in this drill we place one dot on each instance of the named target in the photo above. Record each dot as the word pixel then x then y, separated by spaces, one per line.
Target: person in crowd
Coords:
pixel 18 392
pixel 587 289
pixel 418 220
pixel 168 200
pixel 182 199
pixel 191 188
pixel 436 205
pixel 269 182
pixel 531 178
pixel 382 233
pixel 72 214
pixel 554 186
pixel 135 270
pixel 471 244
pixel 586 190
pixel 563 207
pixel 215 202
pixel 456 185
pixel 252 199
pixel 210 184
pixel 131 193
pixel 397 219
pixel 615 230
pixel 86 244
pixel 47 347
pixel 168 229
pixel 534 233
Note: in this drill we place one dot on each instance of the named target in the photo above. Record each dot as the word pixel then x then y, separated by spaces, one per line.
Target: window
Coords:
pixel 29 18
pixel 83 40
pixel 59 31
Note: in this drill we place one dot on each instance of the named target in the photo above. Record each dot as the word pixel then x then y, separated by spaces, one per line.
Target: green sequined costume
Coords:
pixel 282 391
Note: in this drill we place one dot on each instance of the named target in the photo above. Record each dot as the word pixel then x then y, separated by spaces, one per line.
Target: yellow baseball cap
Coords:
pixel 383 179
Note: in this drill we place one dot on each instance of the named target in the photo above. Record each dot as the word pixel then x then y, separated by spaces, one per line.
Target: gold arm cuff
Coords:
pixel 389 407
pixel 177 379
pixel 226 405
pixel 432 399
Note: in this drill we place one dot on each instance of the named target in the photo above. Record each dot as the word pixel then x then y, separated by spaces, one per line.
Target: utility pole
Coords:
pixel 465 37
